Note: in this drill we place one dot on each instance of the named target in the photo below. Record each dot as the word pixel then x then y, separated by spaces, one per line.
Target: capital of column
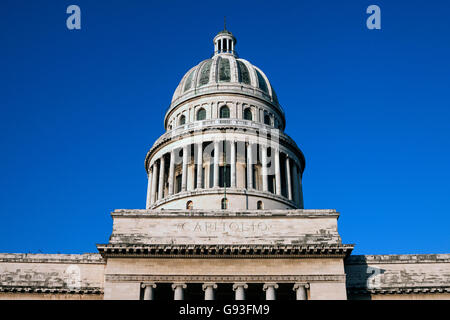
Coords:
pixel 240 285
pixel 177 285
pixel 270 285
pixel 300 285
pixel 149 284
pixel 209 285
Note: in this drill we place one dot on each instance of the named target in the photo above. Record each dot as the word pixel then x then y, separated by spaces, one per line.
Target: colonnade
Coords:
pixel 239 288
pixel 224 44
pixel 279 174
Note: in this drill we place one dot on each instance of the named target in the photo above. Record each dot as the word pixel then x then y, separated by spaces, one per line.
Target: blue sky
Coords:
pixel 370 110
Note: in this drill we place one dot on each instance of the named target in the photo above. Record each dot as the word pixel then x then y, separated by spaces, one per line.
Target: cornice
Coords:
pixel 30 289
pixel 397 290
pixel 89 258
pixel 206 251
pixel 397 259
pixel 294 213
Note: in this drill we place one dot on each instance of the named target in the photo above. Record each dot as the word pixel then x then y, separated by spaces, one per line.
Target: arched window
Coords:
pixel 189 205
pixel 182 120
pixel 224 203
pixel 267 119
pixel 247 114
pixel 260 205
pixel 201 114
pixel 224 112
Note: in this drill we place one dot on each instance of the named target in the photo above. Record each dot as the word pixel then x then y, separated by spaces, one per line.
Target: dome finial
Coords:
pixel 224 23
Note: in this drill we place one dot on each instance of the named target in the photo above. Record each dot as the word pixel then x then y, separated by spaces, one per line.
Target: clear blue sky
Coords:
pixel 369 109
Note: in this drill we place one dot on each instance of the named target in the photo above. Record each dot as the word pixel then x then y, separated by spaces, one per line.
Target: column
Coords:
pixel 148 290
pixel 265 185
pixel 149 189
pixel 295 177
pixel 300 290
pixel 171 171
pixel 161 178
pixel 154 176
pixel 249 167
pixel 178 289
pixel 199 165
pixel 216 164
pixel 288 177
pixel 239 289
pixel 270 288
pixel 209 290
pixel 277 172
pixel 184 173
pixel 233 164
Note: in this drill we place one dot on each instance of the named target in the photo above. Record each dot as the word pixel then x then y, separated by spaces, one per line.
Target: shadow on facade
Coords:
pixel 361 278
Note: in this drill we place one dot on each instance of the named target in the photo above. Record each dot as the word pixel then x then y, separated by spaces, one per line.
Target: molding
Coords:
pixel 212 251
pixel 45 290
pixel 89 258
pixel 225 278
pixel 199 213
pixel 405 290
pixel 397 259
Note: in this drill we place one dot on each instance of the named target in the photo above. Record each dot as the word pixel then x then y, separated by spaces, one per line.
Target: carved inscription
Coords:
pixel 224 227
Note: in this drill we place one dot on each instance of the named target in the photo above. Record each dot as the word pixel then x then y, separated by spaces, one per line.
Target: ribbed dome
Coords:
pixel 224 73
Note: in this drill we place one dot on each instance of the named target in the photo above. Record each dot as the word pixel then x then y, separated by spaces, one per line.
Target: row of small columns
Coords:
pixel 238 288
pixel 156 173
pixel 224 45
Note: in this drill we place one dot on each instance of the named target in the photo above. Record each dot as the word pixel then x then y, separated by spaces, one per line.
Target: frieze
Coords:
pixel 224 278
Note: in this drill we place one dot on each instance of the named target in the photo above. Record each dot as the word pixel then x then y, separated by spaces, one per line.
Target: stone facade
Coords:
pixel 415 276
pixel 51 276
pixel 224 216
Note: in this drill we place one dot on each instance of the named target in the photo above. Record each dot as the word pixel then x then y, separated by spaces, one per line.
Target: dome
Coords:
pixel 224 72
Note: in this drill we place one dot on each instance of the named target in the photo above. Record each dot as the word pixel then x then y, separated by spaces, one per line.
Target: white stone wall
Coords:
pixel 51 276
pixel 399 276
pixel 241 227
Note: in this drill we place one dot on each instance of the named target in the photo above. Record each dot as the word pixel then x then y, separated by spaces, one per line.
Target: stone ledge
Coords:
pixel 225 251
pixel 22 289
pixel 294 213
pixel 405 290
pixel 401 258
pixel 87 258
